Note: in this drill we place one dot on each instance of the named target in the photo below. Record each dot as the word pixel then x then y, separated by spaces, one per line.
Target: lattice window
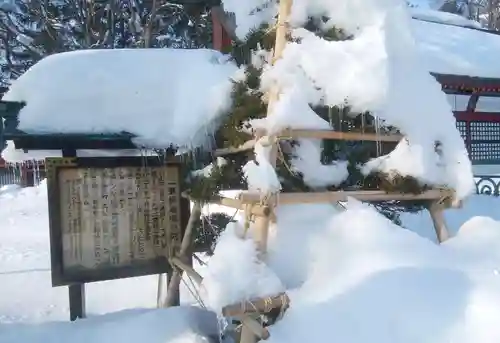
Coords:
pixel 462 128
pixel 485 151
pixel 485 131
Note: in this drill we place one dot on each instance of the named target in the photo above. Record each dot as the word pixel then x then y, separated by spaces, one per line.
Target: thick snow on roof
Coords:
pixel 443 17
pixel 449 49
pixel 426 4
pixel 163 96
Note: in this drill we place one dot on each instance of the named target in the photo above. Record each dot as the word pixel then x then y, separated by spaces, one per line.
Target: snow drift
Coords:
pixel 356 277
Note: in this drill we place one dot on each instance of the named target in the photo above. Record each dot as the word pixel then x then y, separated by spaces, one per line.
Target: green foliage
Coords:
pixel 260 38
pixel 208 229
pixel 249 103
pixel 222 177
pixel 34 29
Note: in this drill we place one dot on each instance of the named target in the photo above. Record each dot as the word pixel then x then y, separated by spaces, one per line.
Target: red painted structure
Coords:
pixel 220 37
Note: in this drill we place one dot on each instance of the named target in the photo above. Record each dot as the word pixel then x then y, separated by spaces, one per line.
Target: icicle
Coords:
pixel 377 133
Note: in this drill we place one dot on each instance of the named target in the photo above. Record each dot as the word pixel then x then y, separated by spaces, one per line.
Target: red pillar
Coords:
pixel 220 37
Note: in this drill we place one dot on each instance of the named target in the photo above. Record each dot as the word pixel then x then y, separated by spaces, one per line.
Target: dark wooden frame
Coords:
pixel 28 141
pixel 61 277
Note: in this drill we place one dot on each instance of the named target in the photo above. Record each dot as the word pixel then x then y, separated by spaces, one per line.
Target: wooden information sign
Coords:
pixel 113 217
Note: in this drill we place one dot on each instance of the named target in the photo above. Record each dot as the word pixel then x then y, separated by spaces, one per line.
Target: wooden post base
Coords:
pixel 436 210
pixel 257 306
pixel 76 301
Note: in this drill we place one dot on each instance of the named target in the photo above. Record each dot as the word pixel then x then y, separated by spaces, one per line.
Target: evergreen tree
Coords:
pixel 250 103
pixel 31 30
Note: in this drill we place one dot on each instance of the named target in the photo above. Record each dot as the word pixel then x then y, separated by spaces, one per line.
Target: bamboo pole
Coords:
pixel 316 134
pixel 175 281
pixel 255 209
pixel 327 197
pixel 253 326
pixel 262 223
pixel 187 269
pixel 346 136
pixel 436 211
pixel 257 306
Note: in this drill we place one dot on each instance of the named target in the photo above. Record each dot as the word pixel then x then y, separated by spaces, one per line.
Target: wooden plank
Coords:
pixel 327 197
pixel 27 141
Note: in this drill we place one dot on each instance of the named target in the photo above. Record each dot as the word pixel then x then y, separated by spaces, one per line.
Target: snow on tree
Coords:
pixel 348 65
pixel 346 74
pixel 358 74
pixel 336 73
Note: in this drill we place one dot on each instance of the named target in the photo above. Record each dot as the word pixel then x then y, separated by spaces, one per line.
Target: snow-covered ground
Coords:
pixel 352 276
pixel 27 297
pixel 357 275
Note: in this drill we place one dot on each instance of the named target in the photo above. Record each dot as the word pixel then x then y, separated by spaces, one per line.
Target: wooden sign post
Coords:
pixel 112 218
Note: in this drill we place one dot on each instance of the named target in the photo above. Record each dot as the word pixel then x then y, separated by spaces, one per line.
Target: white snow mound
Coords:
pixel 164 96
pixel 356 277
pixel 173 325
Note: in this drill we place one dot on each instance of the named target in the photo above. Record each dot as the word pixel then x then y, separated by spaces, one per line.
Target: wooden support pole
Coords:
pixel 159 290
pixel 256 209
pixel 261 228
pixel 346 136
pixel 259 305
pixel 173 289
pixel 187 269
pixel 328 197
pixel 261 234
pixel 252 330
pixel 262 223
pixel 77 301
pixel 248 322
pixel 317 134
pixel 436 210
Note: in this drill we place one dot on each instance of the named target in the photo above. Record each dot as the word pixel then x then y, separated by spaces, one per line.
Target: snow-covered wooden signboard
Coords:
pixel 112 217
